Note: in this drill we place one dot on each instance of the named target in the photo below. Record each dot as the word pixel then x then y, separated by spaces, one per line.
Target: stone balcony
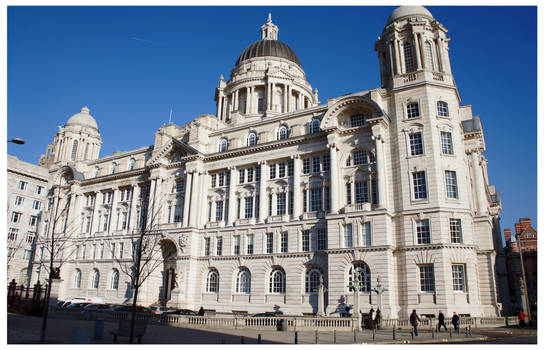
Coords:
pixel 350 208
pixel 421 76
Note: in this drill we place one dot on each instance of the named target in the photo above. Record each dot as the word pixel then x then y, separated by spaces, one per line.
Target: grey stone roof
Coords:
pixel 265 47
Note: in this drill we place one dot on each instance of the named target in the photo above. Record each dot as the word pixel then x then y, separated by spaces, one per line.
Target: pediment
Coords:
pixel 172 152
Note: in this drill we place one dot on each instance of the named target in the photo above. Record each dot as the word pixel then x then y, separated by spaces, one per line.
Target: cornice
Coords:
pixel 436 247
pixel 116 176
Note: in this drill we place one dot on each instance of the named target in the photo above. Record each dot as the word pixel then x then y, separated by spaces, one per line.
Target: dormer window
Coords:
pixel 223 145
pixel 283 132
pixel 313 126
pixel 357 120
pixel 251 139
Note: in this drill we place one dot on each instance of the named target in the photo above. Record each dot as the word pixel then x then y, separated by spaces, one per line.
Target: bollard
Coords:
pixel 466 332
pixel 296 337
pixel 316 336
pixel 470 331
pixel 394 334
pixel 412 334
pixel 334 334
pixel 450 332
pixel 373 335
pixel 259 341
pixel 242 339
pixel 432 333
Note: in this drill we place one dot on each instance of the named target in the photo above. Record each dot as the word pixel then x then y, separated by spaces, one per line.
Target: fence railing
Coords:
pixel 20 297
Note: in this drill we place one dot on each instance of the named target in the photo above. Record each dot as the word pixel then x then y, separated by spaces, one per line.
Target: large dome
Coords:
pixel 83 118
pixel 403 11
pixel 267 47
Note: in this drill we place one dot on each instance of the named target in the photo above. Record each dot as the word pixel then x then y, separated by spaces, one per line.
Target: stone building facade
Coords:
pixel 277 191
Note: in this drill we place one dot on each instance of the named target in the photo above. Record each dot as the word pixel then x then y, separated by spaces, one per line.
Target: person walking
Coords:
pixel 201 311
pixel 372 318
pixel 378 318
pixel 414 321
pixel 441 321
pixel 455 322
pixel 521 318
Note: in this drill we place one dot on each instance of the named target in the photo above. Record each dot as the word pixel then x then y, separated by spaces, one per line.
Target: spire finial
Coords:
pixel 269 31
pixel 269 17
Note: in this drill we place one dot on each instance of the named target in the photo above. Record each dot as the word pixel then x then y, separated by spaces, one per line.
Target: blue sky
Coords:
pixel 130 65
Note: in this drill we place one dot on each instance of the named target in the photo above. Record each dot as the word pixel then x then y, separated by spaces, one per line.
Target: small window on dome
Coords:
pixel 283 132
pixel 223 145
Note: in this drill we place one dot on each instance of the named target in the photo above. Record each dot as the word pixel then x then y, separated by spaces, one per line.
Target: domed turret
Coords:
pixel 267 80
pixel 83 118
pixel 405 11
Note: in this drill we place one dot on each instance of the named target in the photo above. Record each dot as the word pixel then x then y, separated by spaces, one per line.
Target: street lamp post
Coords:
pixel 17 141
pixel 526 294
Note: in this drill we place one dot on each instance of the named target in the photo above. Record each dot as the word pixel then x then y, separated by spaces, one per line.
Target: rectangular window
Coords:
pixel 306 165
pixel 361 192
pixel 206 246
pixel 219 211
pixel 250 243
pixel 272 171
pixel 16 217
pixel 19 200
pixel 374 187
pixel 260 107
pixel 408 59
pixel 269 243
pixel 321 239
pixel 258 174
pixel 328 199
pixel 326 162
pixel 348 236
pixel 281 169
pixel 236 245
pixel 102 251
pixel 242 175
pixel 426 278
pixel 316 199
pixel 316 164
pixel 284 242
pixel 456 233
pixel 249 174
pixel 33 220
pixel 348 193
pixel 112 250
pixel 357 120
pixel 423 231
pixel 121 246
pixel 304 201
pixel 290 167
pixel 28 254
pixel 124 217
pixel 12 235
pixel 93 251
pixel 420 185
pixel 30 237
pixel 412 110
pixel 249 207
pixel 280 207
pixel 106 222
pixel 219 246
pixel 180 187
pixel 270 205
pixel 447 143
pixel 451 185
pixel 360 157
pixel 442 109
pixel 39 189
pixel 22 185
pixel 291 203
pixel 416 144
pixel 221 179
pixel 212 179
pixel 227 179
pixel 178 213
pixel 306 240
pixel 257 206
pixel 366 234
pixel 458 277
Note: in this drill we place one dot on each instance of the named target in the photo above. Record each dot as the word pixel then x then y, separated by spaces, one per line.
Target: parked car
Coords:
pixel 157 309
pixel 265 314
pixel 181 312
pixel 97 307
pixel 83 299
pixel 128 308
pixel 77 306
pixel 60 303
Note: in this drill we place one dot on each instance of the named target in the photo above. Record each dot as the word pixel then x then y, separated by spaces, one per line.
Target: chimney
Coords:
pixel 507 234
pixel 518 228
pixel 525 222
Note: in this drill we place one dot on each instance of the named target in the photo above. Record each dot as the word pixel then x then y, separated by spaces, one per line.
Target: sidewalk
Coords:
pixel 26 330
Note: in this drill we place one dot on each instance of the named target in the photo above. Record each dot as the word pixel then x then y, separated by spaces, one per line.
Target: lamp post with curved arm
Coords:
pixel 17 141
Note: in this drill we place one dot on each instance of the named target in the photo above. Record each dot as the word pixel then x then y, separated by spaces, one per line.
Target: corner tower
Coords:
pixel 413 48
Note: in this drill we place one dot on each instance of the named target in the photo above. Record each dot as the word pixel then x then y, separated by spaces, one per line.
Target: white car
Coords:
pixel 90 300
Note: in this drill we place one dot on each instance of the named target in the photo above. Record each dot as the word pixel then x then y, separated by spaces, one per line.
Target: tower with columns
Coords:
pixel 255 205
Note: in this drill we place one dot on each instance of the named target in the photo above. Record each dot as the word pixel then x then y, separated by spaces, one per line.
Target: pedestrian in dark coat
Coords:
pixel 414 321
pixel 455 322
pixel 441 321
pixel 372 316
pixel 521 318
pixel 201 311
pixel 378 318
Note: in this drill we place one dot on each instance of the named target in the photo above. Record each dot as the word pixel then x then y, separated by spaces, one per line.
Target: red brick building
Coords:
pixel 525 236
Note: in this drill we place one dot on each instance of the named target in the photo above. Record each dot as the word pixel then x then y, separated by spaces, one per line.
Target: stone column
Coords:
pixel 284 107
pixel 397 57
pixel 268 99
pixel 334 179
pixel 187 200
pixel 132 213
pixel 417 50
pixel 479 182
pixel 263 200
pixel 195 200
pixel 112 225
pixel 441 67
pixel 274 202
pixel 272 91
pixel 352 191
pixel 203 197
pixel 94 223
pixel 247 100
pixel 297 194
pixel 232 199
pixel 378 137
pixel 219 112
pixel 321 298
pixel 252 101
pixel 391 58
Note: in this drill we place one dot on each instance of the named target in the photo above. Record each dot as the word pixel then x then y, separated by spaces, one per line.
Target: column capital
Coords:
pixel 295 156
pixel 262 162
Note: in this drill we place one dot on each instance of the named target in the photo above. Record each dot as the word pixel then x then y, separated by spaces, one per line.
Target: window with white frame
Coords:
pixel 360 157
pixel 95 279
pixel 348 193
pixel 243 281
pixel 260 104
pixel 446 142
pixel 251 139
pixel 106 221
pixel 12 234
pixel 39 189
pixel 212 281
pixel 456 233
pixel 458 277
pixel 451 185
pixel 221 179
pixel 16 217
pixel 241 176
pixel 281 169
pixel 280 204
pixel 277 281
pixel 223 145
pixel 249 172
pixel 219 211
pixel 316 199
pixel 33 221
pixel 423 232
pixel 124 220
pixel 27 254
pixel 305 240
pixel 361 192
pixel 272 171
pixel 357 120
pixel 22 185
pixel 283 132
pixel 219 246
pixel 19 200
pixel 269 243
pixel 305 165
pixel 250 243
pixel 366 234
pixel 428 49
pixel 408 58
pixel 348 236
pixel 112 250
pixel 236 245
pixel 121 246
pixel 442 109
pixel 426 278
pixel 326 162
pixel 313 275
pixel 101 251
pixel 316 164
pixel 412 110
pixel 362 271
pixel 77 279
pixel 206 246
pixel 420 185
pixel 284 244
pixel 416 144
pixel 249 207
pixel 321 238
pixel 114 281
pixel 313 126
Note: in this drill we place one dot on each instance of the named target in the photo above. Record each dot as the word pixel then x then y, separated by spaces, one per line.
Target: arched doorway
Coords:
pixel 169 280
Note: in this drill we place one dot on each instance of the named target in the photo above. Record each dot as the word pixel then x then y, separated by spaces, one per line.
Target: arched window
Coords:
pixel 77 279
pixel 223 145
pixel 277 281
pixel 95 280
pixel 251 139
pixel 313 126
pixel 112 168
pixel 283 132
pixel 86 151
pixel 429 63
pixel 363 274
pixel 114 282
pixel 442 109
pixel 131 163
pixel 212 281
pixel 74 150
pixel 313 275
pixel 243 281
